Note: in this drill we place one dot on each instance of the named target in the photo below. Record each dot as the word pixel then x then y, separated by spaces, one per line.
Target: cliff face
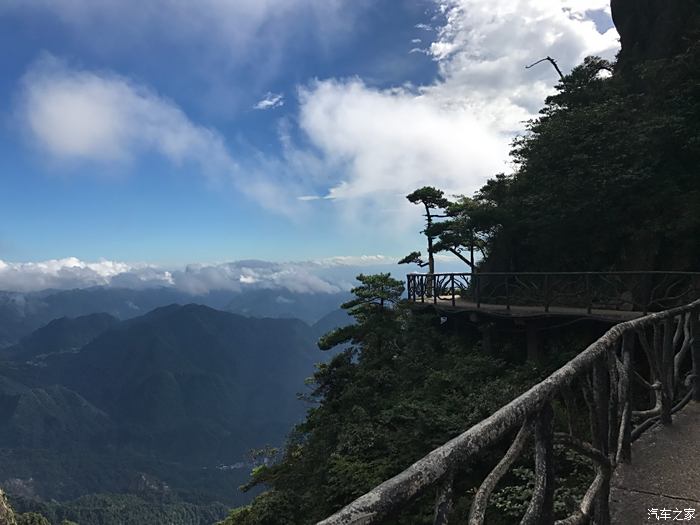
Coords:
pixel 651 29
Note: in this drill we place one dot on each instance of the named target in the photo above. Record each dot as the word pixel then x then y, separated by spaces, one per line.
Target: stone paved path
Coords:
pixel 664 475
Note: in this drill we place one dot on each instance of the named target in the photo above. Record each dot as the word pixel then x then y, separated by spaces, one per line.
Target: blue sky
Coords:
pixel 170 132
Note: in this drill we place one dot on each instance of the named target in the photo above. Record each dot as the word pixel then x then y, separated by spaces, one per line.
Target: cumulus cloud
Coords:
pixel 270 101
pixel 82 115
pixel 329 275
pixel 483 48
pixel 97 116
pixel 393 141
pixel 456 132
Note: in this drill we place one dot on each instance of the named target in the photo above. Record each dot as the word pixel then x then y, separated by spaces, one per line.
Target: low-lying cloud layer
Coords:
pixel 323 276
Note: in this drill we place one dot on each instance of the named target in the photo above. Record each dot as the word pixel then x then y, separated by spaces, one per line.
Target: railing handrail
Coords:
pixel 501 274
pixel 635 290
pixel 435 466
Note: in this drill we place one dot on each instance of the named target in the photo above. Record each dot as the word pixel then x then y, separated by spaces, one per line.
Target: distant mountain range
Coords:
pixel 180 394
pixel 21 313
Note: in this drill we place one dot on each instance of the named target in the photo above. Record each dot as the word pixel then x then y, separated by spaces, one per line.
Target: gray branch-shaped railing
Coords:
pixel 639 373
pixel 634 291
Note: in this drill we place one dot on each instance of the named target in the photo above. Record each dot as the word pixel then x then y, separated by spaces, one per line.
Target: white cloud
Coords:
pixel 329 275
pixel 72 273
pixel 391 142
pixel 363 147
pixel 379 144
pixel 81 115
pixel 483 50
pixel 270 101
pixel 87 116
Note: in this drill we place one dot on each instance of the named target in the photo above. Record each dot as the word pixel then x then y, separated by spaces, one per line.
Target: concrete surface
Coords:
pixel 664 475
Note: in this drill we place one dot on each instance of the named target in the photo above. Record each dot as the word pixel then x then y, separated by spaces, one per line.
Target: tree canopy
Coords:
pixel 605 178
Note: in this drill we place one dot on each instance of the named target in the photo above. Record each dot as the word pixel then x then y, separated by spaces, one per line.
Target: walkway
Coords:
pixel 664 476
pixel 445 303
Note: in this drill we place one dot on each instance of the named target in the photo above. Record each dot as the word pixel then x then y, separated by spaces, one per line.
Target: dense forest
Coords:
pixel 605 178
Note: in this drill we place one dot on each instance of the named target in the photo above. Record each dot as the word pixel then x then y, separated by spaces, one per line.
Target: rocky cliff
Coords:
pixel 651 29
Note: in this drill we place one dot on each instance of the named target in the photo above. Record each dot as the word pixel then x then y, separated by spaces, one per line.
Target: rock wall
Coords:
pixel 651 29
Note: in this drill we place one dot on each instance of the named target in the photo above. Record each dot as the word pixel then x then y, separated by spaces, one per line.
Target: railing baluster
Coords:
pixel 567 394
pixel 613 403
pixel 541 508
pixel 601 395
pixel 452 288
pixel 695 353
pixel 478 290
pixel 478 511
pixel 624 446
pixel 507 295
pixel 667 372
pixel 444 501
pixel 589 294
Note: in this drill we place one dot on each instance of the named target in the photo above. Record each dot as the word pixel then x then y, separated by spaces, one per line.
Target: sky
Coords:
pixel 161 133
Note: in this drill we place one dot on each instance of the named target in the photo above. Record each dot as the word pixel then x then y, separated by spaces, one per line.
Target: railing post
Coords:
pixel 666 378
pixel 452 288
pixel 478 290
pixel 424 281
pixel 435 290
pixel 444 501
pixel 695 350
pixel 589 294
pixel 507 294
pixel 601 395
pixel 541 508
pixel 546 293
pixel 649 281
pixel 624 451
pixel 408 286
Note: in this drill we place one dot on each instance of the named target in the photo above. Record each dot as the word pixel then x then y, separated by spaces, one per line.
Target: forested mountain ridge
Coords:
pixel 22 313
pixel 182 393
pixel 64 334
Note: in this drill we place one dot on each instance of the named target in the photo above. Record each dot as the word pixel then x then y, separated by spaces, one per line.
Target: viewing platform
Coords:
pixel 609 296
pixel 537 303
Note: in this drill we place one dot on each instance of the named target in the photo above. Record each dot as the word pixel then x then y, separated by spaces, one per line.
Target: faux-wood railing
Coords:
pixel 658 354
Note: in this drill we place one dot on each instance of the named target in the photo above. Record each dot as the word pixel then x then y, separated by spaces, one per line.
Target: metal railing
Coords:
pixel 639 373
pixel 633 291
